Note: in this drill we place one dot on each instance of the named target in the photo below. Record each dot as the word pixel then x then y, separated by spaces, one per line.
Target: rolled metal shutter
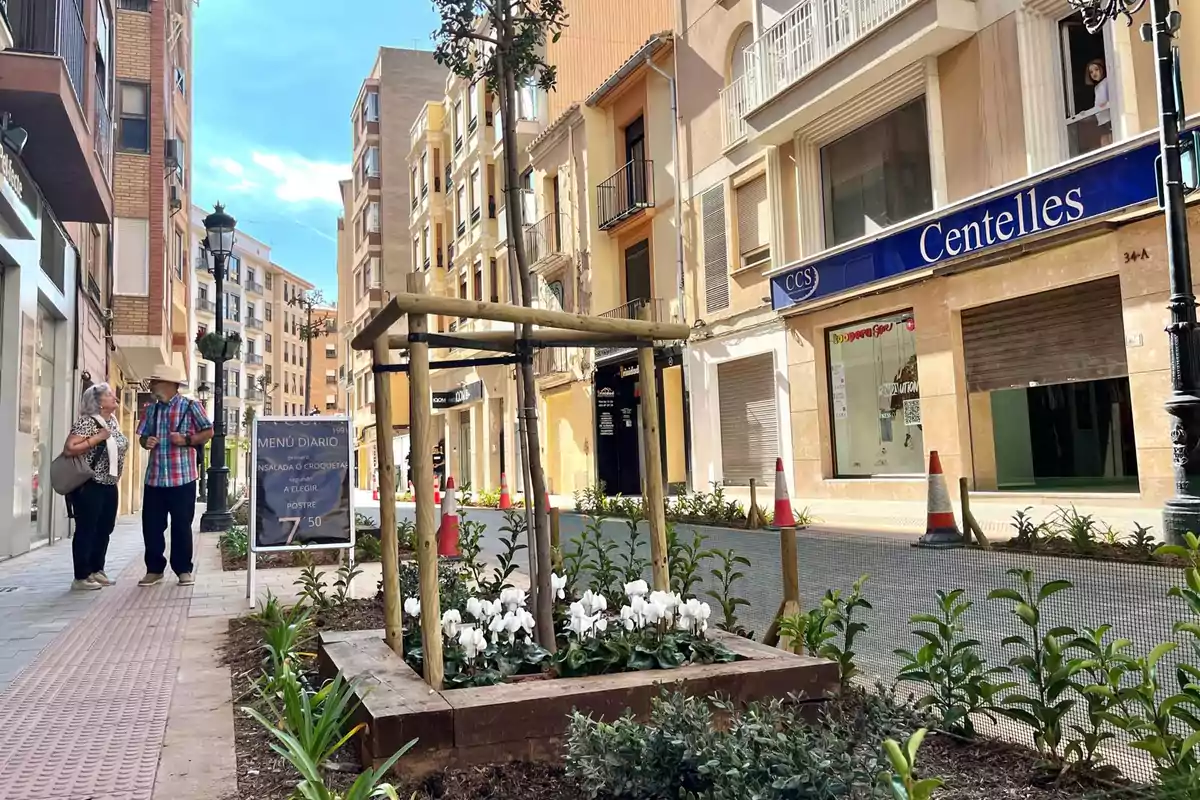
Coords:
pixel 1070 334
pixel 749 420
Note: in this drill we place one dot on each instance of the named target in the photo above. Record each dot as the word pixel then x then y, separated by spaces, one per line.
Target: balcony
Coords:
pixel 331 380
pixel 552 361
pixel 103 132
pixel 47 90
pixel 254 395
pixel 544 242
pixel 254 286
pixel 660 311
pixel 255 323
pixel 735 102
pixel 254 359
pixel 206 306
pixel 625 193
pixel 787 83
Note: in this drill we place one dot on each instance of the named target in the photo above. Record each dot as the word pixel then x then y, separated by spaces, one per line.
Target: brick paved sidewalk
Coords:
pixel 85 717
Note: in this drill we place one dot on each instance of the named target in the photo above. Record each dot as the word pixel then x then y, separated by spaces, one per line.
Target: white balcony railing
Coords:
pixel 809 35
pixel 734 105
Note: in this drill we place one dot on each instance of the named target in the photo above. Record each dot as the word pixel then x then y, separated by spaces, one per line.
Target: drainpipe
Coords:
pixel 679 273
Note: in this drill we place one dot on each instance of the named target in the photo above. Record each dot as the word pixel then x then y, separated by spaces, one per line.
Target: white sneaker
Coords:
pixel 102 579
pixel 87 585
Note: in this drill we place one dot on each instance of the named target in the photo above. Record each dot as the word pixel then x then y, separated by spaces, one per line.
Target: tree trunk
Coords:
pixel 507 84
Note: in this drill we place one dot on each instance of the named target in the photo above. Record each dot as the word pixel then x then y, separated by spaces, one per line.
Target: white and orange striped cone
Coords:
pixel 784 518
pixel 437 492
pixel 505 498
pixel 941 529
pixel 448 529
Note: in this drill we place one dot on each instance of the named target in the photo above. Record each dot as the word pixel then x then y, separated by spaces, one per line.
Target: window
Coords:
pixel 181 81
pixel 479 280
pixel 267 347
pixel 133 126
pixel 373 218
pixel 1085 60
pixel 877 176
pixel 754 223
pixel 371 107
pixel 474 195
pixel 267 306
pixel 716 259
pixel 179 254
pixel 250 275
pixel 874 398
pixel 202 291
pixel 493 280
pixel 233 307
pixel 331 351
pixel 268 283
pixel 201 330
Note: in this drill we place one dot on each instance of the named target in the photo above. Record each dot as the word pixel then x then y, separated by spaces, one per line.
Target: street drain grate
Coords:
pixel 8 589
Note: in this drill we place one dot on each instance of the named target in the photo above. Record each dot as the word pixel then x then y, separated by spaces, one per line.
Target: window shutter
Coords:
pixel 749 420
pixel 716 262
pixel 754 215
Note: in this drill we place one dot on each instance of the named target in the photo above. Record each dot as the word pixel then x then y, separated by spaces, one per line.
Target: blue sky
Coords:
pixel 273 84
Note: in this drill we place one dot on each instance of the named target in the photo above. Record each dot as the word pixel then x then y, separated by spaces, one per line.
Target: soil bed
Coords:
pixel 1063 548
pixel 300 558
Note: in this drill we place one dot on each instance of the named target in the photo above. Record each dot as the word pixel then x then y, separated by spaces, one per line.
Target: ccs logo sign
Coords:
pixel 802 283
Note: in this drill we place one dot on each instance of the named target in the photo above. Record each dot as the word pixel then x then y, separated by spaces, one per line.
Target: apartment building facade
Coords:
pixel 918 226
pixel 328 396
pixel 56 203
pixel 460 237
pixel 374 251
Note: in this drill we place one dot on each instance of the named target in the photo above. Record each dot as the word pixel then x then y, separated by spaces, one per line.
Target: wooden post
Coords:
pixel 420 425
pixel 393 631
pixel 652 468
pixel 555 538
pixel 791 589
pixel 970 524
pixel 753 522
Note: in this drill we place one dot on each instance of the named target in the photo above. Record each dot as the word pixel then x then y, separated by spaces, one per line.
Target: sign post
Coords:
pixel 302 497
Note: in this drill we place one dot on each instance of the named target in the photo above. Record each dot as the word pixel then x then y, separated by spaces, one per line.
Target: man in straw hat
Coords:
pixel 173 426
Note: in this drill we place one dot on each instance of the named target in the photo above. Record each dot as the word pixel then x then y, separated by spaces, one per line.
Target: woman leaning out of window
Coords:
pixel 97 437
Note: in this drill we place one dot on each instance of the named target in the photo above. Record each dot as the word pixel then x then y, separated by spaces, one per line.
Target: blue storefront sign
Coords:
pixel 1093 190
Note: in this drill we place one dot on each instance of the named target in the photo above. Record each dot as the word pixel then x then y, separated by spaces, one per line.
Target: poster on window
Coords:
pixel 875 398
pixel 302 488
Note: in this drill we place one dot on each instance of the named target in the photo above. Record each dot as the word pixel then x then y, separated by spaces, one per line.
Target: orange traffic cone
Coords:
pixel 437 492
pixel 375 494
pixel 448 530
pixel 783 505
pixel 505 499
pixel 941 529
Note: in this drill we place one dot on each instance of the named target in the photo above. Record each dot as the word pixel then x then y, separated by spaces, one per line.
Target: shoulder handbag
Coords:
pixel 68 473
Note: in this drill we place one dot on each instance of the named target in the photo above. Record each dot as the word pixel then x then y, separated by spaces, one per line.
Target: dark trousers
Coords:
pixel 95 508
pixel 178 503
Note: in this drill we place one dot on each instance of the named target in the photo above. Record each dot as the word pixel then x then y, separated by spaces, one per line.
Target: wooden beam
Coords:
pixel 497 312
pixel 420 426
pixel 540 336
pixel 377 326
pixel 791 583
pixel 652 468
pixel 393 632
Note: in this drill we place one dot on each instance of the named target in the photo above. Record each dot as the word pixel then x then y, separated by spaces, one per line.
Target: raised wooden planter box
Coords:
pixel 527 720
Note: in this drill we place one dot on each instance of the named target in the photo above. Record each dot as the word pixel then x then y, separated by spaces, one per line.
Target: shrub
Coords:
pixel 830 630
pixel 902 781
pixel 726 576
pixel 235 542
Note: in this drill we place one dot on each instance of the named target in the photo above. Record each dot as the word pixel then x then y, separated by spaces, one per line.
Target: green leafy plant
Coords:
pixel 685 561
pixel 948 663
pixel 1142 538
pixel 727 575
pixel 1040 658
pixel 454 586
pixel 368 548
pixel 1111 536
pixel 283 638
pixel 406 535
pixel 511 534
pixel 603 571
pixel 830 630
pixel 313 786
pixel 902 780
pixel 312 588
pixel 1028 533
pixel 1080 529
pixel 364 523
pixel 235 542
pixel 346 574
pixel 470 545
pixel 633 563
pixel 317 719
pixel 1099 674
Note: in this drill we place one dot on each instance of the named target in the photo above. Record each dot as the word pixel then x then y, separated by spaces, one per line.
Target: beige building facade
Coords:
pixel 919 226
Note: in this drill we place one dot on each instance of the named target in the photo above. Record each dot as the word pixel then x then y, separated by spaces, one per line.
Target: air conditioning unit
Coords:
pixel 174 155
pixel 176 198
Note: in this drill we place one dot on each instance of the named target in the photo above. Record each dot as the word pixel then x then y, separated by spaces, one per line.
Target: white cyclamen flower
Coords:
pixel 412 607
pixel 592 603
pixel 451 621
pixel 475 607
pixel 638 588
pixel 558 585
pixel 693 616
pixel 512 599
pixel 497 628
pixel 473 642
pixel 639 613
pixel 525 619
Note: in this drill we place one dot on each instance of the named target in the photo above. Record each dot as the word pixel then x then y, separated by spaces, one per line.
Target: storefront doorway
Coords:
pixel 1050 399
pixel 617 431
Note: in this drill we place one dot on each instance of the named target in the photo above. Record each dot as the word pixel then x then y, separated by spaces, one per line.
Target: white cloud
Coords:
pixel 295 179
pixel 227 164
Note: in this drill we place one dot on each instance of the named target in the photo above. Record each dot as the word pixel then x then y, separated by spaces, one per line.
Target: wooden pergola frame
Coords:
pixel 554 329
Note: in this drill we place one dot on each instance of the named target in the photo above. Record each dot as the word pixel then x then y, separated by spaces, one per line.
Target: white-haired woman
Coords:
pixel 97 437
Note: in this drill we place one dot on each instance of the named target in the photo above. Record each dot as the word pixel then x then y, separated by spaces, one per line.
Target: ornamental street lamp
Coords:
pixel 219 243
pixel 1181 513
pixel 203 391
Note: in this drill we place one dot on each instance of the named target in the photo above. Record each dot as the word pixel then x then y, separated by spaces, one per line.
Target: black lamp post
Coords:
pixel 203 391
pixel 220 227
pixel 1181 513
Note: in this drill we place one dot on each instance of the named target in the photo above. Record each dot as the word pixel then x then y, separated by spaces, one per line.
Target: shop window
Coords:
pixel 877 176
pixel 874 398
pixel 1085 67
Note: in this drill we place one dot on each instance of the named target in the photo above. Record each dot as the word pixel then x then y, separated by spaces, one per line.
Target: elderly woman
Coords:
pixel 97 437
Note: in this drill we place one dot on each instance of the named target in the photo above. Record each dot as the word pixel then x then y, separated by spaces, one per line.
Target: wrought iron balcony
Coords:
pixel 660 311
pixel 102 131
pixel 552 361
pixel 254 286
pixel 735 102
pixel 254 359
pixel 544 239
pixel 255 323
pixel 207 306
pixel 626 192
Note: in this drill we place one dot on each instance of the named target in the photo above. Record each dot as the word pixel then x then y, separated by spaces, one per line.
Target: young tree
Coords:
pixel 503 43
pixel 309 330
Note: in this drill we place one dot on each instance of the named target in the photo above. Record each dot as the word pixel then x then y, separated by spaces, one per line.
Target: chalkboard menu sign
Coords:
pixel 302 483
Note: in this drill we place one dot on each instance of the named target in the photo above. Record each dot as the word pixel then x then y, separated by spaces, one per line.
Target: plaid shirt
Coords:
pixel 171 465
